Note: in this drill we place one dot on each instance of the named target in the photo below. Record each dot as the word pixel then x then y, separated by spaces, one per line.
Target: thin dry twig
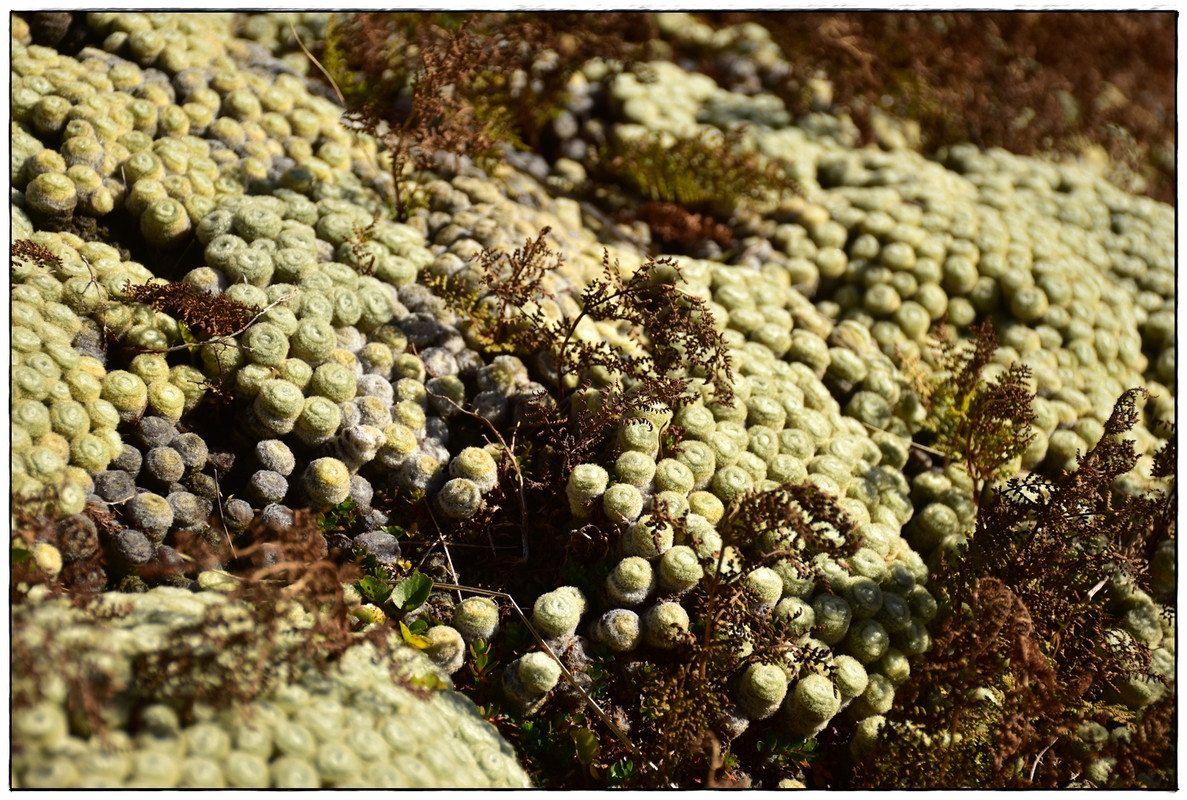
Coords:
pixel 316 63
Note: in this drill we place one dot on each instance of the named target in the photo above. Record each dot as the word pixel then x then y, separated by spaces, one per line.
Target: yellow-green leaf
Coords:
pixel 414 639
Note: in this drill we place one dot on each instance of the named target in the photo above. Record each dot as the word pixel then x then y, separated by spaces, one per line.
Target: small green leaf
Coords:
pixel 480 650
pixel 419 625
pixel 374 589
pixel 20 554
pixel 412 592
pixel 414 639
pixel 429 681
pixel 587 745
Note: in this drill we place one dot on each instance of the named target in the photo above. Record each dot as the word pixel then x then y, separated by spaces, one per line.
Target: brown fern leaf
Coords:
pixel 676 225
pixel 38 254
pixel 209 315
pixel 1025 652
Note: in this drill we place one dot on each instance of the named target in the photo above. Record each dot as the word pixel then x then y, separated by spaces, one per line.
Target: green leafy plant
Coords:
pixel 375 589
pixel 983 426
pixel 481 662
pixel 412 592
pixel 714 171
pixel 414 634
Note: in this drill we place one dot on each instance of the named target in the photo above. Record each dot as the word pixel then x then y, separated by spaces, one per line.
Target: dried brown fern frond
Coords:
pixel 675 225
pixel 242 648
pixel 802 514
pixel 1026 650
pixel 688 699
pixel 208 315
pixel 40 255
pixel 674 329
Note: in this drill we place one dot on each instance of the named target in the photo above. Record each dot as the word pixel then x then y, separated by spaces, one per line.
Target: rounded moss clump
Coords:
pixel 164 465
pixel 166 400
pixel 635 468
pixel 895 613
pixel 647 539
pixel 266 487
pixel 446 648
pixel 728 482
pixel 558 613
pixel 33 417
pixel 618 629
pixel 680 569
pixel 864 597
pixel 876 699
pixel 833 614
pixel 275 455
pixel 895 666
pixel 476 618
pixel 700 459
pixel 912 640
pixel 622 503
pixel 53 195
pixel 631 581
pixel 796 614
pixel 706 505
pixel 538 673
pixel 865 737
pixel 923 606
pixel 150 513
pixel 867 640
pixel 266 344
pixel 476 465
pixel 326 482
pixel 850 675
pixel 399 445
pixel 932 525
pixel 253 222
pixel 765 587
pixel 314 340
pixel 665 625
pixel 126 392
pixel 641 436
pixel 673 476
pixel 69 418
pixel 165 223
pixel 587 483
pixel 90 453
pixel 814 702
pixel 420 471
pixel 459 498
pixel 334 382
pixel 761 690
pixel 278 406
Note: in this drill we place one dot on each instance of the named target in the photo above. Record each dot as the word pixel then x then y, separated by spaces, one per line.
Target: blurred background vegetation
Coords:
pixel 1078 83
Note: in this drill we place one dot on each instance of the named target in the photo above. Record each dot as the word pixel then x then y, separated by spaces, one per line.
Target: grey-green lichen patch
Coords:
pixel 375 718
